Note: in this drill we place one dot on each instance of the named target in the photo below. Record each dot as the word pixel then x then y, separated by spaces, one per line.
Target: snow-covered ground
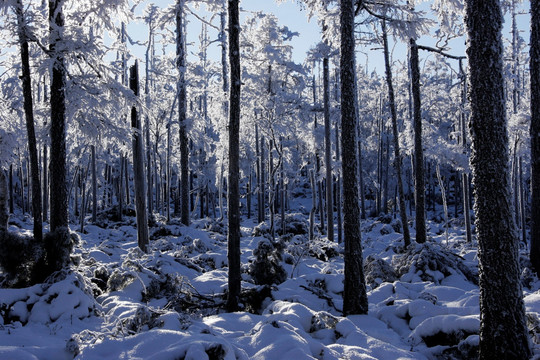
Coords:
pixel 119 303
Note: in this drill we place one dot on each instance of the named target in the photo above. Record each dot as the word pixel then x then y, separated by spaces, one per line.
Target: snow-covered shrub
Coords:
pixel 119 280
pixel 386 229
pixel 323 249
pixel 263 229
pixel 160 232
pixel 67 296
pixel 430 262
pixel 254 299
pixel 216 227
pixel 101 277
pixel 397 226
pixel 448 330
pixel 377 271
pixel 295 224
pixel 144 319
pixel 533 324
pixel 322 320
pixel 267 268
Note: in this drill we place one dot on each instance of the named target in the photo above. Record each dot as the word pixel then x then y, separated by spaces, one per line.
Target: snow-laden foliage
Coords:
pixel 431 262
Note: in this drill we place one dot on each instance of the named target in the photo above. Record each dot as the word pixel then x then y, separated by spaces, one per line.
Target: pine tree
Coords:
pixel 354 295
pixel 182 108
pixel 233 198
pixel 503 332
pixel 29 116
pixel 138 165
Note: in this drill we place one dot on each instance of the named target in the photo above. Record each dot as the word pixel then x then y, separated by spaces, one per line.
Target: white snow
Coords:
pixel 135 317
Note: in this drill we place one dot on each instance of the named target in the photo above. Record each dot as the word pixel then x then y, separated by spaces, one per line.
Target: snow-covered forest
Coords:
pixel 166 194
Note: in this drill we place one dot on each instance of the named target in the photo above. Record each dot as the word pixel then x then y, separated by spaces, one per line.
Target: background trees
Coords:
pixel 197 151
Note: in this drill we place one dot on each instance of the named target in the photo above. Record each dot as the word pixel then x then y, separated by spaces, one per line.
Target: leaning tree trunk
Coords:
pixel 503 331
pixel 418 151
pixel 354 296
pixel 29 116
pixel 535 134
pixel 182 108
pixel 138 165
pixel 397 154
pixel 233 198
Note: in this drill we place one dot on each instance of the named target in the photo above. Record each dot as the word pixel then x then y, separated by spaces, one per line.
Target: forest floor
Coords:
pixel 117 302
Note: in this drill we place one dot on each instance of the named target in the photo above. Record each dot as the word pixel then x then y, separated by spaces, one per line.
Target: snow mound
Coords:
pixel 431 262
pixel 66 299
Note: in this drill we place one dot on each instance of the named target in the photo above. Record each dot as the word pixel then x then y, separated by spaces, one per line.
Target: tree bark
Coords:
pixel 182 108
pixel 397 153
pixel 233 198
pixel 29 116
pixel 535 134
pixel 11 188
pixel 338 191
pixel 59 196
pixel 94 184
pixel 354 295
pixel 419 187
pixel 503 331
pixel 328 152
pixel 138 165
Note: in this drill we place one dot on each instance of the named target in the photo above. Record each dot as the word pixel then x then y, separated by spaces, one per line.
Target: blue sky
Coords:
pixel 290 14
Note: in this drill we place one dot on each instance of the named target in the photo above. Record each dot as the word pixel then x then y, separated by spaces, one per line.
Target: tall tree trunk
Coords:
pixel 11 188
pixel 419 187
pixel 466 206
pixel 503 331
pixel 59 199
pixel 138 165
pixel 121 188
pixel 233 198
pixel 328 151
pixel 45 194
pixel 29 116
pixel 94 184
pixel 397 153
pixel 184 152
pixel 318 161
pixel 338 191
pixel 4 214
pixel 167 199
pixel 260 193
pixel 313 206
pixel 535 134
pixel 354 296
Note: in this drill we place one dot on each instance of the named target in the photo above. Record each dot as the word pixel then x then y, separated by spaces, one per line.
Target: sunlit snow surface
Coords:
pixel 68 318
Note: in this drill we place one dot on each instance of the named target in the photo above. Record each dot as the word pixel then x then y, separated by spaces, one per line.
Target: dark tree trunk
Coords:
pixel 11 188
pixel 59 196
pixel 419 188
pixel 94 184
pixel 338 191
pixel 328 151
pixel 233 198
pixel 260 193
pixel 535 134
pixel 354 296
pixel 503 331
pixel 397 154
pixel 29 116
pixel 138 165
pixel 184 151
